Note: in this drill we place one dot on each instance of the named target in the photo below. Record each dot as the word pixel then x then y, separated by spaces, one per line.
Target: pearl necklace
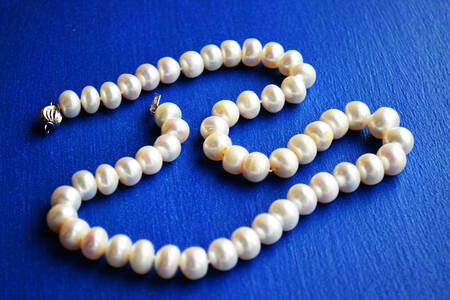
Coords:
pixel 266 228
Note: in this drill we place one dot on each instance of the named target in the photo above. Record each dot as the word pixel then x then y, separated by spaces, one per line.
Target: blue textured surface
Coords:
pixel 385 241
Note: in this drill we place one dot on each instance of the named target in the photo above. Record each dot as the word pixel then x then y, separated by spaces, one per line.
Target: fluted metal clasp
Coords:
pixel 50 117
pixel 155 103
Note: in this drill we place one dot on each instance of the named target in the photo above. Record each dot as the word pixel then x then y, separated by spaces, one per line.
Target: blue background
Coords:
pixel 384 241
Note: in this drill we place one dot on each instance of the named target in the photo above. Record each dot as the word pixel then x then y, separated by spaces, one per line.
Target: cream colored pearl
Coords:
pixel 283 162
pixel 358 115
pixel 150 160
pixel 70 104
pixel 393 158
pixel 94 243
pixel 148 75
pixel 272 54
pixel 90 99
pixel 286 212
pixel 382 120
pixel 248 104
pixel 288 60
pixel 141 256
pixel 58 214
pixel 304 147
pixel 212 57
pixel 67 195
pixel 166 261
pixel 247 242
pixel 272 98
pixel 169 70
pixel 370 168
pixel 85 183
pixel 321 133
pixel 325 186
pixel 191 64
pixel 294 89
pixel 177 127
pixel 400 135
pixel 222 255
pixel 212 125
pixel 129 171
pixel 234 158
pixel 268 228
pixel 110 95
pixel 347 177
pixel 165 112
pixel 256 167
pixel 107 179
pixel 251 52
pixel 194 263
pixel 130 86
pixel 306 71
pixel 118 250
pixel 72 232
pixel 303 197
pixel 169 146
pixel 215 146
pixel 337 120
pixel 231 53
pixel 227 110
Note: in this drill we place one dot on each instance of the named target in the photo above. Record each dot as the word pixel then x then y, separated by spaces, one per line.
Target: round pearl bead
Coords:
pixel 90 99
pixel 212 125
pixel 347 177
pixel 166 261
pixel 141 256
pixel 148 75
pixel 306 71
pixel 222 254
pixel 272 98
pixel 256 167
pixel 283 162
pixel 251 52
pixel 248 104
pixel 233 159
pixel 70 104
pixel 169 70
pixel 227 110
pixel 325 186
pixel 212 57
pixel 191 64
pixel 358 115
pixel 400 135
pixel 393 158
pixel 72 232
pixel 94 243
pixel 247 242
pixel 118 250
pixel 130 86
pixel 321 133
pixel 177 127
pixel 169 146
pixel 85 183
pixel 110 95
pixel 303 197
pixel 370 168
pixel 337 120
pixel 268 228
pixel 271 55
pixel 215 146
pixel 58 214
pixel 66 194
pixel 107 179
pixel 194 263
pixel 294 89
pixel 286 212
pixel 288 60
pixel 129 171
pixel 150 160
pixel 304 147
pixel 165 112
pixel 231 53
pixel 382 120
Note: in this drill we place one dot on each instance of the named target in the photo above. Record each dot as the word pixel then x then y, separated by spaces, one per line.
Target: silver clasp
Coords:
pixel 155 103
pixel 51 117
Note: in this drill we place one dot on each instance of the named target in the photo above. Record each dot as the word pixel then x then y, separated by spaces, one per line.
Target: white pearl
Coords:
pixel 382 120
pixel 283 162
pixel 358 114
pixel 337 120
pixel 288 60
pixel 227 110
pixel 148 75
pixel 141 256
pixel 248 104
pixel 194 263
pixel 58 214
pixel 251 52
pixel 67 195
pixel 85 183
pixel 169 70
pixel 72 232
pixel 90 99
pixel 177 127
pixel 286 212
pixel 268 228
pixel 393 158
pixel 247 242
pixel 215 146
pixel 303 197
pixel 212 57
pixel 400 135
pixel 191 64
pixel 166 261
pixel 370 168
pixel 212 125
pixel 347 177
pixel 304 147
pixel 272 98
pixel 325 186
pixel 306 71
pixel 222 255
pixel 150 160
pixel 272 54
pixel 94 243
pixel 130 86
pixel 129 171
pixel 233 159
pixel 294 89
pixel 107 179
pixel 70 104
pixel 231 53
pixel 256 167
pixel 169 146
pixel 165 112
pixel 110 95
pixel 321 133
pixel 118 250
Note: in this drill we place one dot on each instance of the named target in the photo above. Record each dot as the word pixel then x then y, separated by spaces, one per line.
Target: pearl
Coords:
pixel 283 162
pixel 148 75
pixel 85 183
pixel 107 179
pixel 358 115
pixel 129 171
pixel 268 228
pixel 166 261
pixel 231 53
pixel 370 168
pixel 382 120
pixel 90 99
pixel 130 86
pixel 141 256
pixel 337 120
pixel 70 104
pixel 110 95
pixel 118 250
pixel 393 158
pixel 248 104
pixel 347 177
pixel 212 125
pixel 165 112
pixel 222 254
pixel 94 243
pixel 58 214
pixel 150 160
pixel 191 64
pixel 72 232
pixel 325 186
pixel 288 60
pixel 272 98
pixel 271 55
pixel 304 147
pixel 303 197
pixel 227 110
pixel 256 167
pixel 400 135
pixel 306 71
pixel 247 242
pixel 194 263
pixel 251 52
pixel 67 195
pixel 234 158
pixel 286 212
pixel 294 89
pixel 321 133
pixel 215 146
pixel 169 146
pixel 177 127
pixel 169 70
pixel 212 57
